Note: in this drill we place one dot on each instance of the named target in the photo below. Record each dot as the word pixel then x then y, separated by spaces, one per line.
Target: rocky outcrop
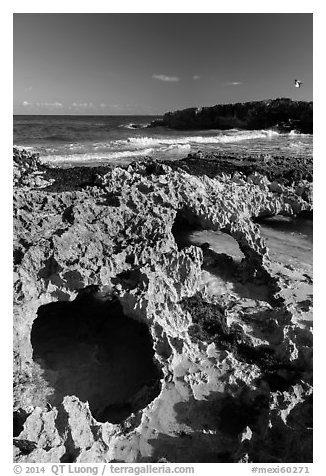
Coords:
pixel 27 168
pixel 279 169
pixel 104 294
pixel 282 114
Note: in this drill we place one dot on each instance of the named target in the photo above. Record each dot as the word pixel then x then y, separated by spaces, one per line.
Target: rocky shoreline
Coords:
pixel 120 352
pixel 281 114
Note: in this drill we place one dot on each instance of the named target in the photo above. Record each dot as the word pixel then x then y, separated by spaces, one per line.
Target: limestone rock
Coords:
pixel 230 372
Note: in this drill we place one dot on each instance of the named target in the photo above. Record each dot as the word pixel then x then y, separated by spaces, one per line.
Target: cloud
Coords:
pixel 43 104
pixel 195 77
pixel 233 83
pixel 163 77
pixel 103 105
pixel 49 104
pixel 82 105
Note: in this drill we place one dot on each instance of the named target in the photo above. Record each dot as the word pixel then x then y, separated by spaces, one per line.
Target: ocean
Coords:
pixel 65 141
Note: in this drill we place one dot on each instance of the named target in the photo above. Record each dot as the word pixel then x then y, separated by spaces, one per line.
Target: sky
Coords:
pixel 142 63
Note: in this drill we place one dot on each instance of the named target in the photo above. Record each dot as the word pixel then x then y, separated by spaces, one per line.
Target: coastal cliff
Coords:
pixel 120 352
pixel 282 114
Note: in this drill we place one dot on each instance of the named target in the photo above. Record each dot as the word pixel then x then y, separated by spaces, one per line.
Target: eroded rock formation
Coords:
pixel 121 354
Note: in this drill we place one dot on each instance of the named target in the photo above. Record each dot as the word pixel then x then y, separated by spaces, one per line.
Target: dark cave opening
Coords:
pixel 19 418
pixel 182 229
pixel 89 348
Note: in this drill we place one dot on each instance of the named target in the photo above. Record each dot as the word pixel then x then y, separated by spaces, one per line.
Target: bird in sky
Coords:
pixel 297 83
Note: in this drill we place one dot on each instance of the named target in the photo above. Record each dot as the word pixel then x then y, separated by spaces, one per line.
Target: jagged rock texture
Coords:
pixel 236 380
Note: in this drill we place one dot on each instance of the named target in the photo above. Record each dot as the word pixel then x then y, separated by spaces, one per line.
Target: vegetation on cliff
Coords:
pixel 281 113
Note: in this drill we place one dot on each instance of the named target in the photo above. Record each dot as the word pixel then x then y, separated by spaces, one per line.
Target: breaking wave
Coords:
pixel 94 158
pixel 124 147
pixel 133 126
pixel 216 139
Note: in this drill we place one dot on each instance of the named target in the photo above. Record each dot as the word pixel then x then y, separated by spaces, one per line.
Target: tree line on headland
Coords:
pixel 282 114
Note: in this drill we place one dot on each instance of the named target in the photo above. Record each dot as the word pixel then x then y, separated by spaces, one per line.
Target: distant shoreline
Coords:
pixel 281 114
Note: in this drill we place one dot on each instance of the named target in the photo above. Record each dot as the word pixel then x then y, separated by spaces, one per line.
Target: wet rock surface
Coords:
pixel 121 350
pixel 282 170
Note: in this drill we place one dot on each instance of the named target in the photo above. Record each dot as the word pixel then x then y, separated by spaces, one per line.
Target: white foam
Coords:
pixel 93 157
pixel 236 136
pixel 293 132
pixel 133 124
pixel 180 147
pixel 24 147
pixel 134 144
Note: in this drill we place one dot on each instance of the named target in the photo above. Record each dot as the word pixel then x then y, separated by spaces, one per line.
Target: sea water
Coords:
pixel 65 141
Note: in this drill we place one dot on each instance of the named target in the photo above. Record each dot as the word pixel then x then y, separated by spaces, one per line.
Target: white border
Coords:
pixel 168 6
